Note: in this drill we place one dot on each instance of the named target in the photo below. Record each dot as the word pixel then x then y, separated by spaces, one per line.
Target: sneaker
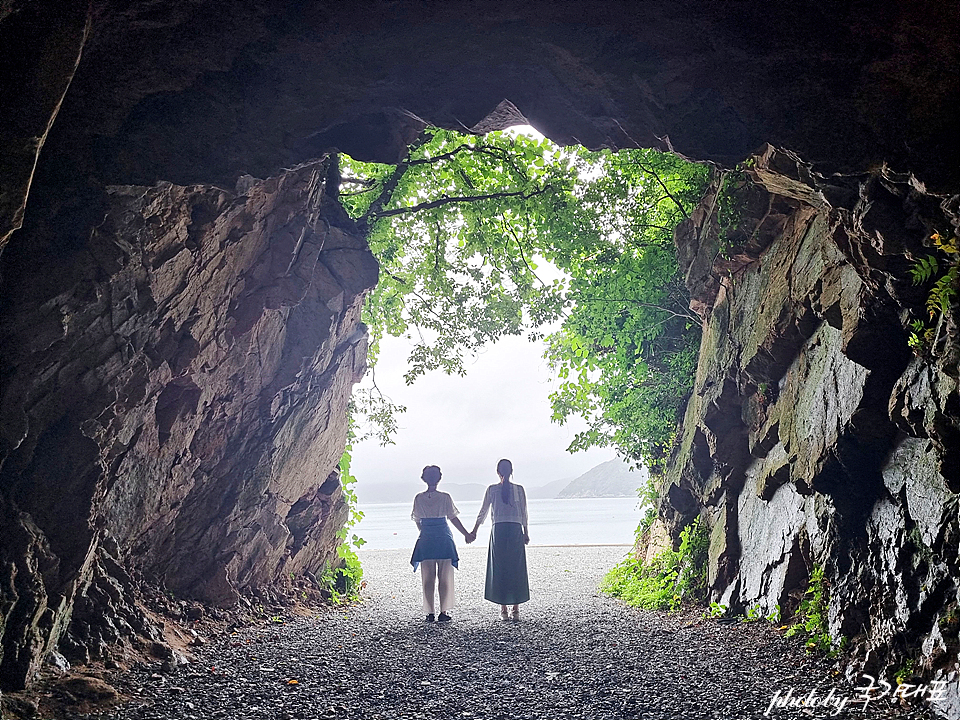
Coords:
pixel 429 618
pixel 444 617
pixel 504 615
pixel 515 616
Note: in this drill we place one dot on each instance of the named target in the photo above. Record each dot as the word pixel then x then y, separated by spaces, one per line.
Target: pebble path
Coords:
pixel 574 654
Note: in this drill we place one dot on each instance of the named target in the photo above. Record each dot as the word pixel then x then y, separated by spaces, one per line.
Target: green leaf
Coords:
pixel 924 269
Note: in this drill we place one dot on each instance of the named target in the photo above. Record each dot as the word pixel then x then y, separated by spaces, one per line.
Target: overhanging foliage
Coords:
pixel 480 237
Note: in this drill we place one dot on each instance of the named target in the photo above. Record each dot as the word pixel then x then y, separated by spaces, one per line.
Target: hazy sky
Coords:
pixel 466 424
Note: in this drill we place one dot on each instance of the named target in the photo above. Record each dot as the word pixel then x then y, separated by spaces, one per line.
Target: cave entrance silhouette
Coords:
pixel 148 234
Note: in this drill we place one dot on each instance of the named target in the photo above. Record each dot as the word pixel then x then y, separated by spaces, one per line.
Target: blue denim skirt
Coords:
pixel 435 543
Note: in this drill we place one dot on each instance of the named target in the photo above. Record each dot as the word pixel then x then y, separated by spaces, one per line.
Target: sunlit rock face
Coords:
pixel 814 436
pixel 176 358
pixel 178 385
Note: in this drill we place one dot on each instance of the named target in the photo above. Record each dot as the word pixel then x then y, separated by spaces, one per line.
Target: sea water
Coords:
pixel 573 521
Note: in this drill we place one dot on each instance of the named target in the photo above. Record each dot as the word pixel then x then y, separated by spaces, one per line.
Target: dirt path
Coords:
pixel 574 654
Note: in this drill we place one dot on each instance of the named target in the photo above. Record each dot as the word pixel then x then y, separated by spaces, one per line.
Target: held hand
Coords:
pixel 471 536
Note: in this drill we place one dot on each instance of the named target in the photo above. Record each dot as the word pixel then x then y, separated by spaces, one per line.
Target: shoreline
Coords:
pixel 468 547
pixel 361 504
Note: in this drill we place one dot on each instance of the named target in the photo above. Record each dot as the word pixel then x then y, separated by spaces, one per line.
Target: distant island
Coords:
pixel 613 478
pixel 548 491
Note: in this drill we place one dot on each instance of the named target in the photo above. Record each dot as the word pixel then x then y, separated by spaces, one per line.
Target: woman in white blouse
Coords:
pixel 435 551
pixel 506 582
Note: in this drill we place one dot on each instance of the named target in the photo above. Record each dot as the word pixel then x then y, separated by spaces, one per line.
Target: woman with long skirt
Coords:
pixel 506 582
pixel 435 551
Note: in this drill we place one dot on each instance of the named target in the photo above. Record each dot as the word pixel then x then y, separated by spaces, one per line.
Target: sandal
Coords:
pixel 504 615
pixel 515 616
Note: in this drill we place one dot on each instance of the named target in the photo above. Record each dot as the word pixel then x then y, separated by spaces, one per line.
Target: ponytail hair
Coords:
pixel 505 470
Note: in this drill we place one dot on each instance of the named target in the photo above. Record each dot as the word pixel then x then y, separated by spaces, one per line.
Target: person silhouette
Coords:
pixel 435 551
pixel 507 582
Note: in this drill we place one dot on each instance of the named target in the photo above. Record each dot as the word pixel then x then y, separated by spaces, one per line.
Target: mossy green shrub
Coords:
pixel 671 577
pixel 649 494
pixel 341 581
pixel 811 619
pixel 341 584
pixel 949 622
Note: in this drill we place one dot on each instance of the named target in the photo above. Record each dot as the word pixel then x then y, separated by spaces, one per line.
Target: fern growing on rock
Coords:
pixel 925 335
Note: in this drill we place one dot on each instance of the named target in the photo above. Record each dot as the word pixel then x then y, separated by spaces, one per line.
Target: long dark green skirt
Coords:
pixel 507 565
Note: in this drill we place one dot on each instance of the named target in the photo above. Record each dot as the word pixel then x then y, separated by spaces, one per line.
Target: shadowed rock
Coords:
pixel 175 359
pixel 180 386
pixel 813 435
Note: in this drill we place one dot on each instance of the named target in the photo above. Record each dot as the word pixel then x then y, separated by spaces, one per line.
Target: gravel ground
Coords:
pixel 574 654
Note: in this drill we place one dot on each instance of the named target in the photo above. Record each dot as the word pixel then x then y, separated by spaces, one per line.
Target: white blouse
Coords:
pixel 433 505
pixel 514 511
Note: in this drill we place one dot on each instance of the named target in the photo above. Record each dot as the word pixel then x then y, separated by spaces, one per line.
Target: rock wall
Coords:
pixel 176 384
pixel 813 435
pixel 204 92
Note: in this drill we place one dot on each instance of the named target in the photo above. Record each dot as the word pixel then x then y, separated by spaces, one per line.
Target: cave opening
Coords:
pixel 507 235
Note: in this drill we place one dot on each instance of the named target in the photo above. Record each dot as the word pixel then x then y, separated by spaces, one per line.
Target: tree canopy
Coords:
pixel 504 234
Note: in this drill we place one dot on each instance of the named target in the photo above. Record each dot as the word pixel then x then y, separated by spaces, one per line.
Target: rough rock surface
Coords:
pixel 813 435
pixel 176 387
pixel 163 362
pixel 40 59
pixel 204 92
